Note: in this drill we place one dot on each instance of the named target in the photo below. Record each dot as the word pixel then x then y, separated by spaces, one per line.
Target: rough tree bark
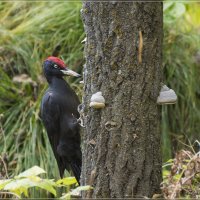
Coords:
pixel 121 143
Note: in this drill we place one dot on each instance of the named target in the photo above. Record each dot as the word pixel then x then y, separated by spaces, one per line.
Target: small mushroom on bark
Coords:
pixel 97 101
pixel 166 96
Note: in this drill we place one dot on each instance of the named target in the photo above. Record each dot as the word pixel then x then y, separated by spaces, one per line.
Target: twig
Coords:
pixel 6 170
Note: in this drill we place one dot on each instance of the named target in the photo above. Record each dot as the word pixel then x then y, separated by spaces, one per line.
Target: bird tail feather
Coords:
pixel 76 169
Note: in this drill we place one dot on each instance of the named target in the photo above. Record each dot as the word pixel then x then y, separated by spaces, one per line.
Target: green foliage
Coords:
pixel 181 176
pixel 174 10
pixel 76 191
pixel 19 185
pixel 181 68
pixel 67 181
pixel 29 32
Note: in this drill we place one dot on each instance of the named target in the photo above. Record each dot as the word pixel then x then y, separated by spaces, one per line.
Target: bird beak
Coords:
pixel 69 72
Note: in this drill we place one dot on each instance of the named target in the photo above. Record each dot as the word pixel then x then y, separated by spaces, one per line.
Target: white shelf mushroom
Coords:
pixel 166 96
pixel 97 101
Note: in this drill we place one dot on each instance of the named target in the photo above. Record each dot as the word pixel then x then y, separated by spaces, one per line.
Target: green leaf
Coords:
pixel 76 191
pixel 66 196
pixel 47 185
pixel 83 188
pixel 20 186
pixel 67 181
pixel 170 161
pixel 177 177
pixel 4 182
pixel 34 171
pixel 17 183
pixel 165 173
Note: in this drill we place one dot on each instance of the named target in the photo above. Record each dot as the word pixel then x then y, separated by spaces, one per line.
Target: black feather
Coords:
pixel 76 169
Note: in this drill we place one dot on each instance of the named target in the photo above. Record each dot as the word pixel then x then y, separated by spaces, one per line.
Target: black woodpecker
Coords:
pixel 59 115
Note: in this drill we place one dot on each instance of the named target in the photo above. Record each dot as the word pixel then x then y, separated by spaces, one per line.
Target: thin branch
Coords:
pixel 5 167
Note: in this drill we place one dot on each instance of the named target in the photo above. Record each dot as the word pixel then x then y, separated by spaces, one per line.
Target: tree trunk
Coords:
pixel 121 142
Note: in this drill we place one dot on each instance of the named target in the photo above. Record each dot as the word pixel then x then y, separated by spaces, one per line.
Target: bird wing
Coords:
pixel 50 113
pixel 69 145
pixel 63 132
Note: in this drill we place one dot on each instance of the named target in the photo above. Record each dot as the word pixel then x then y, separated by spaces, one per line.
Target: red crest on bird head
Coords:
pixel 58 61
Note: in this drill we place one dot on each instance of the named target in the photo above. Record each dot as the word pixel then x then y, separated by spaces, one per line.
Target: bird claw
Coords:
pixel 81 108
pixel 80 122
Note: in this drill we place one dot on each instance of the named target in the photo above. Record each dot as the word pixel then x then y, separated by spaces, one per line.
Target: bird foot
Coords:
pixel 80 122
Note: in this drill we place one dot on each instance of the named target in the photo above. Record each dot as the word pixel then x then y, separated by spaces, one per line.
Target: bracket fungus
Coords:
pixel 97 101
pixel 166 96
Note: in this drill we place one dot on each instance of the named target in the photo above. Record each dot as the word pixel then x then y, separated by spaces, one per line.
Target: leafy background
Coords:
pixel 30 31
pixel 181 62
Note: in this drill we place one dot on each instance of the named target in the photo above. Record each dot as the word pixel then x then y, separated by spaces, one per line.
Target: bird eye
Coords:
pixel 55 66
